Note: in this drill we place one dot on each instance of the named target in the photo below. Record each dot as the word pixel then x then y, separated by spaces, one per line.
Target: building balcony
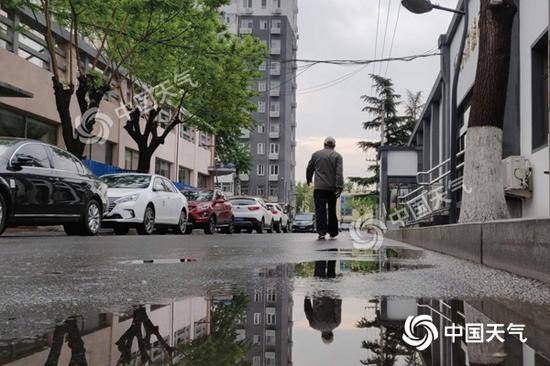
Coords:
pixel 275 51
pixel 275 71
pixel 273 177
pixel 275 30
pixel 248 10
pixel 274 134
pixel 244 177
pixel 277 11
pixel 245 30
pixel 275 92
pixel 273 156
pixel 274 114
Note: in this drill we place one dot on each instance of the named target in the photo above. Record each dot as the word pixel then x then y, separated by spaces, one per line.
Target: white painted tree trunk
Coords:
pixel 483 186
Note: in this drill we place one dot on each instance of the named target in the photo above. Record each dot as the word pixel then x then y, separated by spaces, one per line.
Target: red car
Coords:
pixel 208 210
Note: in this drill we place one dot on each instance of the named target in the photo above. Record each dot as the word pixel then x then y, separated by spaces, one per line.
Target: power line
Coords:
pixel 332 83
pixel 393 37
pixel 385 33
pixel 351 62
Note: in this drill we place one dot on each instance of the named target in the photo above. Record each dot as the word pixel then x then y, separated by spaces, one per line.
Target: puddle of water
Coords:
pixel 269 322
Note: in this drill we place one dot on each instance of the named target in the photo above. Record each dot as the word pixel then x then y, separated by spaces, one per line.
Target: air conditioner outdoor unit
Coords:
pixel 517 176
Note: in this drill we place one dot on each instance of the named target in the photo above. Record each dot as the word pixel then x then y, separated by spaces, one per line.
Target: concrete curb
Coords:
pixel 521 246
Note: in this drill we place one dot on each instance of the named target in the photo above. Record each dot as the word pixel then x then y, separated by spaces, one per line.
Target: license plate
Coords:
pixel 239 219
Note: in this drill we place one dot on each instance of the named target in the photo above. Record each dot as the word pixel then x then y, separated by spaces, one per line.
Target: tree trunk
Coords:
pixel 144 160
pixel 483 189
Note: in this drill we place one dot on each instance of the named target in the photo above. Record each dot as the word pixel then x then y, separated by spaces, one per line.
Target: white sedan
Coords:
pixel 251 213
pixel 280 218
pixel 146 202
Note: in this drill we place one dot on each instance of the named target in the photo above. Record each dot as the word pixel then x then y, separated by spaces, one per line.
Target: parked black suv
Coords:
pixel 41 184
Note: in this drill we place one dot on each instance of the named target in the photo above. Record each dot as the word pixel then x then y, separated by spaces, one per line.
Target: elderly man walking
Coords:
pixel 327 166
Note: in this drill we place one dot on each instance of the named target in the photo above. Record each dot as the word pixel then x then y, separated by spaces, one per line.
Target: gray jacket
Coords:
pixel 328 168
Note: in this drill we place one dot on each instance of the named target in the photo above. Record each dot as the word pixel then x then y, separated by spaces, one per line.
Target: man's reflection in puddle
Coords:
pixel 74 339
pixel 324 313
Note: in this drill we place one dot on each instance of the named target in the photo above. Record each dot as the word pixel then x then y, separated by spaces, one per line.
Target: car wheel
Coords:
pixel 147 227
pixel 230 228
pixel 277 227
pixel 237 231
pixel 121 229
pixel 285 228
pixel 188 230
pixel 260 227
pixel 270 228
pixel 91 220
pixel 210 227
pixel 3 213
pixel 181 227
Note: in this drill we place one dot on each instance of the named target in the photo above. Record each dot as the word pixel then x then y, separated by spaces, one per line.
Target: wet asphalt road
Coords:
pixel 45 278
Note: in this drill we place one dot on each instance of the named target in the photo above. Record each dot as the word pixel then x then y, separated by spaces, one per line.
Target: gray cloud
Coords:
pixel 331 29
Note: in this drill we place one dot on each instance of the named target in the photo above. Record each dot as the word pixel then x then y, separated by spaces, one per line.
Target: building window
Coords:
pixel 274 148
pixel 101 152
pixel 274 128
pixel 276 4
pixel 263 66
pixel 261 107
pixel 257 318
pixel 202 180
pixel 247 4
pixel 257 295
pixel 275 107
pixel 187 133
pixel 275 44
pixel 539 97
pixel 162 167
pixel 273 191
pixel 263 24
pixel 260 169
pixel 184 175
pixel 270 338
pixel 274 169
pixel 276 24
pixel 260 191
pixel 257 339
pixel 256 361
pixel 262 86
pixel 18 125
pixel 270 316
pixel 247 23
pixel 261 128
pixel 264 4
pixel 261 148
pixel 131 159
pixel 275 67
pixel 244 188
pixel 271 295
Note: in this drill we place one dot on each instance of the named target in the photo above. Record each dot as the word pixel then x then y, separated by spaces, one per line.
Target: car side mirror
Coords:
pixel 17 163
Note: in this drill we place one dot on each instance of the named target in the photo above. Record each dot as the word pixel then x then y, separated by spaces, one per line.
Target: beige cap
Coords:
pixel 330 141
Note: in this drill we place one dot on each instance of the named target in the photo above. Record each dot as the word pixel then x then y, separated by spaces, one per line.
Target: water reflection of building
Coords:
pixel 268 321
pixel 178 323
pixel 535 352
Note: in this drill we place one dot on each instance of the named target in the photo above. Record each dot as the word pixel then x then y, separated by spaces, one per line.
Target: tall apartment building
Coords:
pixel 272 140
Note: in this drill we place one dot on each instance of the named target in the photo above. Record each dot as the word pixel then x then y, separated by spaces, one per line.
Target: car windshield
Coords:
pixel 304 217
pixel 199 195
pixel 243 202
pixel 127 181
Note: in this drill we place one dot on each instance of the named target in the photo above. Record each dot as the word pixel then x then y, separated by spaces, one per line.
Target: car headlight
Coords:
pixel 203 207
pixel 129 198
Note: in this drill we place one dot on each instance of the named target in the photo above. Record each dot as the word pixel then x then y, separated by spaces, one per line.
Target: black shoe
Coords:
pixel 333 237
pixel 321 237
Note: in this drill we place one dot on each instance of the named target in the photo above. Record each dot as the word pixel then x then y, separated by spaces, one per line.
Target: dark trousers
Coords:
pixel 325 200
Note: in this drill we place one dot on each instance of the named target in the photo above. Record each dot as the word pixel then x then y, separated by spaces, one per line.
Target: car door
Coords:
pixel 70 187
pixel 159 197
pixel 32 180
pixel 174 202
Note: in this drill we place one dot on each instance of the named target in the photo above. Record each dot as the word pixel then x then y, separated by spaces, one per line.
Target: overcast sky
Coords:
pixel 346 29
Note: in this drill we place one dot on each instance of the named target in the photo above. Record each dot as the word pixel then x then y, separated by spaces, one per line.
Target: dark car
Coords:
pixel 41 184
pixel 209 210
pixel 304 223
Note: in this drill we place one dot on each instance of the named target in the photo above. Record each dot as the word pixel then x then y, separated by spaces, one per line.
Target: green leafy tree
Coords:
pixel 304 197
pixel 220 347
